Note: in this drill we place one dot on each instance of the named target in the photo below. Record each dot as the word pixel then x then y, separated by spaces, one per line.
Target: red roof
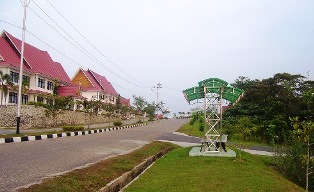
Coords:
pixel 35 60
pixel 73 91
pixel 103 83
pixel 100 83
pixel 124 101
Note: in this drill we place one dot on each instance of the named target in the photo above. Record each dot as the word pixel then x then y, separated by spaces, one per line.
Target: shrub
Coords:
pixel 292 163
pixel 117 123
pixel 73 128
pixel 36 103
pixel 139 121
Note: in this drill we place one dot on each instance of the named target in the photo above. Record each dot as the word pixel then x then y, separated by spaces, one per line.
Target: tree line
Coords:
pixel 264 113
pixel 278 111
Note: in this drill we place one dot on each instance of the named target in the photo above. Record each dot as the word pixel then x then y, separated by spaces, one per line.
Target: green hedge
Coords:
pixel 73 128
pixel 117 123
pixel 36 103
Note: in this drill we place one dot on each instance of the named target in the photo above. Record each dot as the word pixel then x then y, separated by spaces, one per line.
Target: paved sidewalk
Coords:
pixel 184 140
pixel 258 152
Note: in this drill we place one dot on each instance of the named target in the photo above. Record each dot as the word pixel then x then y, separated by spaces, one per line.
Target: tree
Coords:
pixel 55 86
pixel 6 81
pixel 150 109
pixel 242 82
pixel 124 110
pixel 303 132
pixel 109 108
pixel 25 86
pixel 57 106
pixel 269 103
pixel 139 104
pixel 92 108
pixel 165 111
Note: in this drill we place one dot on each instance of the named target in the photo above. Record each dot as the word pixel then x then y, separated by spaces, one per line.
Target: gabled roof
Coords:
pixel 103 83
pixel 98 82
pixel 35 60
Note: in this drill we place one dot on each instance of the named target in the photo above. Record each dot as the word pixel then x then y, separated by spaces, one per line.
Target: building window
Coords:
pixel 49 85
pixel 14 77
pixel 24 99
pixel 26 78
pixel 41 83
pixel 40 99
pixel 12 97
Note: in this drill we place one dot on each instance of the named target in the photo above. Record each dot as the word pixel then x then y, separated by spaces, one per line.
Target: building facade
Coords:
pixel 95 87
pixel 39 71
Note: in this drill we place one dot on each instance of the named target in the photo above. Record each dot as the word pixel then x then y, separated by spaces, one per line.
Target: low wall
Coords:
pixel 34 117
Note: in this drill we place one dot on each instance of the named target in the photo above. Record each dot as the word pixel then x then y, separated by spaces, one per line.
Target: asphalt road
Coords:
pixel 25 163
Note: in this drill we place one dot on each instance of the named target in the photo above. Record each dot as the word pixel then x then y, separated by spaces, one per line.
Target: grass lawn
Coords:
pixel 192 129
pixel 179 172
pixel 38 132
pixel 29 134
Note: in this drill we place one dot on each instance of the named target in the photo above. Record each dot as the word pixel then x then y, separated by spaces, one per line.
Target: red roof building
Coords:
pixel 38 68
pixel 41 72
pixel 95 86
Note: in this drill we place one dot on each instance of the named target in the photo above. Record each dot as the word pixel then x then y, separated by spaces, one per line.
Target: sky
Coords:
pixel 137 44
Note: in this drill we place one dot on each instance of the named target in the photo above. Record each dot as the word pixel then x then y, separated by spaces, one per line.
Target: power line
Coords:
pixel 59 51
pixel 146 86
pixel 89 56
pixel 173 89
pixel 62 29
pixel 44 42
pixel 128 89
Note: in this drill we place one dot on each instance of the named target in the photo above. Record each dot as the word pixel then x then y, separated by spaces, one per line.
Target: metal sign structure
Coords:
pixel 213 91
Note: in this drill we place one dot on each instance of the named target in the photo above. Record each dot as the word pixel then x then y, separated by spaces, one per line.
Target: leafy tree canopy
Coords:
pixel 268 104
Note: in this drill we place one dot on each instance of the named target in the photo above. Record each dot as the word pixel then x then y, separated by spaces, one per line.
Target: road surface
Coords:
pixel 26 163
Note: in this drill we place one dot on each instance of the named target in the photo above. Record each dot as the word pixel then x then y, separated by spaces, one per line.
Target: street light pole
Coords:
pixel 18 119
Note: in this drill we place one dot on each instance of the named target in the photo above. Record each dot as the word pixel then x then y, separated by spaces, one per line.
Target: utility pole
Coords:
pixel 18 118
pixel 157 93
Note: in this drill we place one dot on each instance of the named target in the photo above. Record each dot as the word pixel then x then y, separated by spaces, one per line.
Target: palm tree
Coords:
pixel 5 80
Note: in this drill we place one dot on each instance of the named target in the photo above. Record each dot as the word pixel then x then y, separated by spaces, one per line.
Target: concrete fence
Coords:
pixel 34 117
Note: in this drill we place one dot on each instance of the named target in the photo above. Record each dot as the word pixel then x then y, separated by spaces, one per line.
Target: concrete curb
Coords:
pixel 65 134
pixel 119 183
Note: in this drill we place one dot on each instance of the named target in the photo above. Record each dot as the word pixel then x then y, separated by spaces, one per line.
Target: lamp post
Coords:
pixel 18 118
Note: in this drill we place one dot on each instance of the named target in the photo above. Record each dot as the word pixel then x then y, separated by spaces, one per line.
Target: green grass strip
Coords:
pixel 96 176
pixel 192 130
pixel 176 171
pixel 30 133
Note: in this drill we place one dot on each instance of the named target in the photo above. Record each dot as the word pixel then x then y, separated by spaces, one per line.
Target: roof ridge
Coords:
pixel 8 35
pixel 97 80
pixel 86 76
pixel 34 59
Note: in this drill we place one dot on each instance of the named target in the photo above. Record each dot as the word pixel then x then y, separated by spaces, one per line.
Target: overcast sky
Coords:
pixel 136 44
